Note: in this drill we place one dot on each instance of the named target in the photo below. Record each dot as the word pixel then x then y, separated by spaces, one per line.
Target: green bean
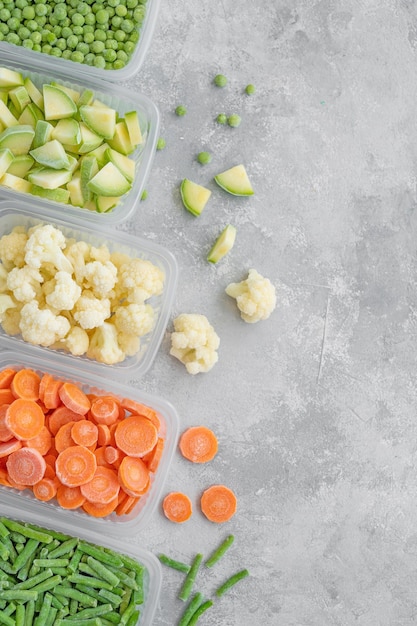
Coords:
pixel 34 580
pixel 44 612
pixel 70 592
pixel 29 612
pixel 65 547
pixel 127 613
pixel 94 611
pixel 23 595
pixel 181 567
pixel 101 555
pixel 4 531
pixel 46 585
pixel 113 598
pixel 201 609
pixel 4 552
pixel 75 559
pixel 27 531
pixel 29 549
pixel 102 571
pixel 190 578
pixel 6 619
pixel 138 593
pixel 51 562
pixel 19 615
pixel 50 620
pixel 220 551
pixel 89 580
pixel 231 581
pixel 191 608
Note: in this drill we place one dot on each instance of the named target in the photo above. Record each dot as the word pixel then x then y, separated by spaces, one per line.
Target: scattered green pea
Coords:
pixel 180 110
pixel 221 118
pixel 144 195
pixel 234 120
pixel 250 89
pixel 204 157
pixel 161 143
pixel 220 80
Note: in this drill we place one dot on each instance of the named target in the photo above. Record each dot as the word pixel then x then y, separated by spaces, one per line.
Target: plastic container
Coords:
pixel 48 63
pixel 120 525
pixel 27 215
pixel 153 571
pixel 118 98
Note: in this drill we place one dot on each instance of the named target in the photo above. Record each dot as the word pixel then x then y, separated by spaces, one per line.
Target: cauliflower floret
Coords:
pixel 40 326
pixel 77 341
pixel 139 280
pixel 101 254
pixel 100 277
pixel 134 319
pixel 62 292
pixel 194 342
pixel 3 278
pixel 119 258
pixel 255 297
pixel 44 246
pixel 25 283
pixel 10 320
pixel 104 346
pixel 6 303
pixel 12 248
pixel 78 254
pixel 130 344
pixel 90 311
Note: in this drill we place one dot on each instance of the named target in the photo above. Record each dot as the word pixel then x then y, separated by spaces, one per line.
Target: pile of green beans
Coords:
pixel 48 578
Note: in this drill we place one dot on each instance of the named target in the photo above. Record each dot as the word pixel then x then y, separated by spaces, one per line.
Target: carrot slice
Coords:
pixel 198 444
pixel 25 384
pixel 153 458
pixel 7 447
pixel 99 453
pixel 133 475
pixel 103 487
pixel 136 435
pixel 137 408
pixel 100 510
pixel 49 472
pixel 26 466
pixel 74 398
pixel 45 489
pixel 6 377
pixel 5 432
pixel 69 497
pixel 6 396
pixel 103 436
pixel 75 466
pixel 41 442
pixel 63 438
pixel 177 507
pixel 50 394
pixel 60 416
pixel 218 503
pixel 126 504
pixel 112 454
pixel 25 418
pixel 84 433
pixel 104 410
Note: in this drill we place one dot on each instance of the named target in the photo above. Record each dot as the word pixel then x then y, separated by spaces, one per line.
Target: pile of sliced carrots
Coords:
pixel 81 450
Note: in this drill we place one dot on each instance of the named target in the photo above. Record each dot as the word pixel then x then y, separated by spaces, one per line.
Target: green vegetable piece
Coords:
pixel 194 196
pixel 250 89
pixel 204 157
pixel 103 572
pixel 43 133
pixel 34 93
pixel 88 169
pixel 191 609
pixel 144 195
pixel 27 531
pixel 17 138
pixel 51 154
pixel 230 582
pixel 180 110
pixel 16 183
pixel 58 104
pixel 235 181
pixel 6 117
pixel 108 558
pixel 21 165
pixel 220 551
pixel 220 80
pixel 223 244
pixel 71 592
pixel 133 127
pixel 50 178
pixel 86 98
pixel 10 78
pixel 221 118
pixel 6 159
pixel 101 120
pixel 187 586
pixel 199 612
pixel 121 139
pixel 30 115
pixel 21 595
pixel 106 203
pixel 234 120
pixel 181 567
pixel 109 181
pixel 20 97
pixel 57 195
pixel 161 143
pixel 67 131
pixel 89 140
pixel 29 549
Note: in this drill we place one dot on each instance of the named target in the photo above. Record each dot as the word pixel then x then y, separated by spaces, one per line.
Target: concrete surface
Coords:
pixel 315 408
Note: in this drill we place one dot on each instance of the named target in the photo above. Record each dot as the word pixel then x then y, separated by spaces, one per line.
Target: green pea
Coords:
pixel 127 26
pixel 99 35
pixel 72 41
pixel 99 62
pixel 88 38
pixel 116 21
pixel 56 52
pixel 32 25
pixel 161 143
pixel 109 55
pixel 61 43
pixel 78 30
pixel 41 20
pixel 204 157
pixel 16 12
pixel 83 8
pixel 13 38
pixel 139 14
pixel 121 55
pixel 120 35
pixel 87 28
pixel 13 23
pixel 102 17
pixel 118 64
pixel 121 10
pixel 1 37
pixel 28 13
pixel 134 36
pixel 144 195
pixel 66 32
pixel 113 3
pixel 234 120
pixel 111 44
pixel 4 29
pixel 37 47
pixel 180 110
pixel 24 33
pixel 221 118
pixel 28 43
pixel 77 19
pixel 36 37
pixel 220 80
pixel 131 4
pixel 57 30
pixel 21 4
pixel 41 9
pixel 90 19
pixel 46 48
pixel 51 38
pixel 128 47
pixel 97 47
pixel 66 54
pixel 77 56
pixel 5 15
pixel 60 11
pixel 250 89
pixel 89 58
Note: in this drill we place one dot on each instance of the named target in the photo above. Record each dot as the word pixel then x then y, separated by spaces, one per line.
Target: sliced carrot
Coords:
pixel 69 497
pixel 218 503
pixel 112 454
pixel 6 377
pixel 153 458
pixel 4 478
pixel 137 408
pixel 16 485
pixel 84 433
pixel 133 475
pixel 45 489
pixel 177 507
pixel 25 384
pixel 103 487
pixel 103 436
pixel 63 438
pixel 104 410
pixel 60 416
pixel 126 504
pixel 5 432
pixel 26 466
pixel 100 458
pixel 75 466
pixel 74 398
pixel 112 430
pixel 100 510
pixel 198 444
pixel 7 447
pixel 6 396
pixel 49 394
pixel 41 442
pixel 136 435
pixel 49 471
pixel 25 418
pixel 50 459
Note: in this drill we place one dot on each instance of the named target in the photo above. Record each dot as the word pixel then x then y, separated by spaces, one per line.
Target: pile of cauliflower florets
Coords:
pixel 67 294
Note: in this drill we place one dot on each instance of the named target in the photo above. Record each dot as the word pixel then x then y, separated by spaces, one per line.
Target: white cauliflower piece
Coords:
pixel 255 297
pixel 104 346
pixel 134 319
pixel 194 342
pixel 63 292
pixel 6 303
pixel 10 321
pixel 100 277
pixel 119 258
pixel 101 254
pixel 41 326
pixel 44 247
pixel 130 344
pixel 77 341
pixel 78 254
pixel 91 312
pixel 3 278
pixel 25 283
pixel 12 248
pixel 140 280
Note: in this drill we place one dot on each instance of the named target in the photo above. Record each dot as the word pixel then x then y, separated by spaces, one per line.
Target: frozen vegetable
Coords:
pixel 198 444
pixel 180 110
pixel 220 80
pixel 221 118
pixel 234 120
pixel 230 582
pixel 220 551
pixel 194 342
pixel 223 244
pixel 194 196
pixel 235 180
pixel 177 507
pixel 190 577
pixel 204 157
pixel 250 89
pixel 255 297
pixel 218 503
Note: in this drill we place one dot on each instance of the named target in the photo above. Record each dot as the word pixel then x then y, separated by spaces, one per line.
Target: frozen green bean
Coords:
pixel 230 582
pixel 190 578
pixel 191 608
pixel 220 551
pixel 178 565
pixel 200 610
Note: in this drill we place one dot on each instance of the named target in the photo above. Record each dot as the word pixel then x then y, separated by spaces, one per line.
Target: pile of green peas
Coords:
pixel 100 33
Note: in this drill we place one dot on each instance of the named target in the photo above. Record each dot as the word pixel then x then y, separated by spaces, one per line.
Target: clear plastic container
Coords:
pixel 30 214
pixel 153 570
pixel 48 63
pixel 121 525
pixel 116 97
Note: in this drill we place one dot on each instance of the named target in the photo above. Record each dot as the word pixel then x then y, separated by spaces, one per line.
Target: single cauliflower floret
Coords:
pixel 100 277
pixel 91 312
pixel 12 248
pixel 119 258
pixel 194 342
pixel 40 326
pixel 134 319
pixel 104 346
pixel 44 246
pixel 62 292
pixel 140 280
pixel 25 283
pixel 255 297
pixel 78 254
pixel 3 278
pixel 10 320
pixel 129 344
pixel 6 303
pixel 77 341
pixel 101 254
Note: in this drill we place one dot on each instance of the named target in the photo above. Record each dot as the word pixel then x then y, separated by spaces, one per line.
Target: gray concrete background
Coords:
pixel 315 408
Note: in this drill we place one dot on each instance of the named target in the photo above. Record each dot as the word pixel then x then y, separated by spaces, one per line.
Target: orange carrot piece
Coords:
pixel 60 416
pixel 41 442
pixel 84 433
pixel 103 487
pixel 6 396
pixel 112 454
pixel 7 447
pixel 5 432
pixel 126 504
pixel 136 435
pixel 103 436
pixel 133 475
pixel 104 410
pixel 25 385
pixel 49 471
pixel 153 458
pixel 26 466
pixel 218 503
pixel 16 485
pixel 74 398
pixel 177 507
pixel 100 510
pixel 100 458
pixel 6 377
pixel 25 418
pixel 49 394
pixel 50 459
pixel 45 489
pixel 4 478
pixel 63 438
pixel 198 444
pixel 137 408
pixel 69 497
pixel 75 466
